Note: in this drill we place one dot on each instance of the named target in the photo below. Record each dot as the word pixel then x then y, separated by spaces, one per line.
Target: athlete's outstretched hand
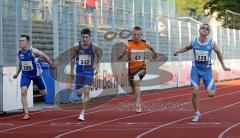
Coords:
pixel 15 76
pixel 96 69
pixel 175 53
pixel 53 66
pixel 226 68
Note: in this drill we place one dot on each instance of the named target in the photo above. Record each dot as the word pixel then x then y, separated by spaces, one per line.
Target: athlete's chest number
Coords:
pixel 84 60
pixel 201 55
pixel 27 65
pixel 202 58
pixel 137 55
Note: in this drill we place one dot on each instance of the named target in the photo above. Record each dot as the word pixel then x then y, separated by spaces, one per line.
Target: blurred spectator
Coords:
pixel 81 11
pixel 91 7
pixel 47 10
pixel 36 10
pixel 106 10
pixel 192 12
pixel 161 27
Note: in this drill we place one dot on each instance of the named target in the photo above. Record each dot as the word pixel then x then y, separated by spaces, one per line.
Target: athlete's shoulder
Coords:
pixel 94 44
pixel 34 50
pixel 96 47
pixel 76 44
pixel 211 40
pixel 194 41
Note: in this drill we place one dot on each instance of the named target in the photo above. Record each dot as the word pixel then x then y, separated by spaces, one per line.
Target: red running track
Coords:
pixel 165 114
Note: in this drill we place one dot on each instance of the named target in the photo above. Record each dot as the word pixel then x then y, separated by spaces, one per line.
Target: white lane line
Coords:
pixel 96 112
pixel 170 123
pixel 76 130
pixel 226 130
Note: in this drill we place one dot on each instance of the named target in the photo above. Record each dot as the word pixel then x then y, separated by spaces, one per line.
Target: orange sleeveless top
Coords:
pixel 136 54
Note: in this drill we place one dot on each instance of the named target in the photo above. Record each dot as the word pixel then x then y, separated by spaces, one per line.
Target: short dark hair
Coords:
pixel 26 36
pixel 137 28
pixel 86 31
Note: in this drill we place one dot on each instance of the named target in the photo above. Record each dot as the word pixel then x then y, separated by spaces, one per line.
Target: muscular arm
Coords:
pixel 151 49
pixel 40 54
pixel 220 57
pixel 73 54
pixel 99 52
pixel 18 70
pixel 184 49
pixel 123 51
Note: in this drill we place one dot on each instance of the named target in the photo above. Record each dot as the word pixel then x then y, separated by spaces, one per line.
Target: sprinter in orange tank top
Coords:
pixel 136 51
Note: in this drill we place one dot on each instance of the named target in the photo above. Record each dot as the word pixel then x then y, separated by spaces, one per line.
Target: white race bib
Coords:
pixel 201 55
pixel 137 55
pixel 27 65
pixel 84 60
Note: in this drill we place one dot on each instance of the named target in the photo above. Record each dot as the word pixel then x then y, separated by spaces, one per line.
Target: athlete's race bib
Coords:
pixel 137 55
pixel 201 55
pixel 84 60
pixel 27 65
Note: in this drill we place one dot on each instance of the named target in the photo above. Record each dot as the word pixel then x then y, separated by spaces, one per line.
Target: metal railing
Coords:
pixel 15 20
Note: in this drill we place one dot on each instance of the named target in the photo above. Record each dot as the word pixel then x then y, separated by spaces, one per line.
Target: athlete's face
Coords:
pixel 204 30
pixel 85 39
pixel 23 42
pixel 137 35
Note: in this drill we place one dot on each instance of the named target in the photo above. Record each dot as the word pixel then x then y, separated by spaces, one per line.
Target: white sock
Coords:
pixel 136 78
pixel 83 112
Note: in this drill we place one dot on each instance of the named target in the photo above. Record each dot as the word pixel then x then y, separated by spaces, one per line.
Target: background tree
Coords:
pixel 228 11
pixel 183 7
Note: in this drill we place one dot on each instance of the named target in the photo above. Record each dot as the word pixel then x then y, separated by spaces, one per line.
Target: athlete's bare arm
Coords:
pixel 184 49
pixel 99 52
pixel 73 54
pixel 18 70
pixel 220 57
pixel 123 51
pixel 149 46
pixel 40 54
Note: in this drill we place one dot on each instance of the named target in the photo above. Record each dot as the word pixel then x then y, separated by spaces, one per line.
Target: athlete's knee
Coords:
pixel 137 83
pixel 211 93
pixel 43 92
pixel 87 88
pixel 195 91
pixel 85 97
pixel 23 95
pixel 24 91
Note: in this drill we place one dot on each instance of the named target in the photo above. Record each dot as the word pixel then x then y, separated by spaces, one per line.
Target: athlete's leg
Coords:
pixel 195 99
pixel 24 84
pixel 195 82
pixel 85 95
pixel 24 99
pixel 209 82
pixel 136 81
pixel 41 85
pixel 135 86
pixel 132 85
pixel 87 82
pixel 79 81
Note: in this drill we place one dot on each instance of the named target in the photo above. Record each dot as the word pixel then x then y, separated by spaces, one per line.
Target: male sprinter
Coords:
pixel 83 54
pixel 31 70
pixel 136 51
pixel 201 66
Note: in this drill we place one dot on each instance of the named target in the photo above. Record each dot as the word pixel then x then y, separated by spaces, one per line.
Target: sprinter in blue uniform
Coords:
pixel 83 56
pixel 31 70
pixel 201 66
